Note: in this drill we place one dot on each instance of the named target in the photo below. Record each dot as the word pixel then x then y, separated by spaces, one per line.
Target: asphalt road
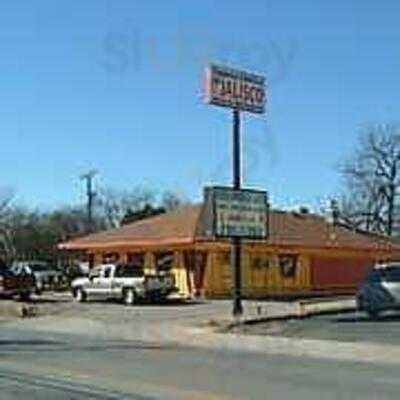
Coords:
pixel 346 327
pixel 59 366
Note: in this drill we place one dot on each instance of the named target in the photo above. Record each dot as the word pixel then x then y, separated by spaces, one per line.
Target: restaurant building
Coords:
pixel 304 254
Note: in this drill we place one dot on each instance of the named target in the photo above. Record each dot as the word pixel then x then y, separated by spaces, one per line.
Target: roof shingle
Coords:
pixel 173 228
pixel 183 226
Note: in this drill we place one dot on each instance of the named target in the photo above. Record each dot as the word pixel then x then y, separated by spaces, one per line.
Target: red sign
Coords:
pixel 232 88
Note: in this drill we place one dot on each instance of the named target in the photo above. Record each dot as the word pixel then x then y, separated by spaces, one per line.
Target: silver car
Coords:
pixel 380 290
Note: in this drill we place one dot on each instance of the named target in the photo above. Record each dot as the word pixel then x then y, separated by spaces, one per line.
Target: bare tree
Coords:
pixel 32 234
pixel 372 181
pixel 172 200
pixel 114 204
pixel 128 205
pixel 6 245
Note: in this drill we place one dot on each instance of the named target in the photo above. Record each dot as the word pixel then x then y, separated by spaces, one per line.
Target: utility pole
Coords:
pixel 91 194
pixel 236 241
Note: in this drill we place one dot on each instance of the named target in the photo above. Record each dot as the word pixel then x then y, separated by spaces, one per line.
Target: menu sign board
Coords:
pixel 238 213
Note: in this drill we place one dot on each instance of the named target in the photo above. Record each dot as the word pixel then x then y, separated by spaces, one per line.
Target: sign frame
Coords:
pixel 242 85
pixel 210 191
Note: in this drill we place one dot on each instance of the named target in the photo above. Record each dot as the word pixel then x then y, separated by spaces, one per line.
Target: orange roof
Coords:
pixel 174 228
pixel 185 226
pixel 310 230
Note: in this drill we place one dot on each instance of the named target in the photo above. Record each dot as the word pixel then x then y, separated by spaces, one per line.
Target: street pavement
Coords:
pixel 354 327
pixel 35 365
pixel 109 351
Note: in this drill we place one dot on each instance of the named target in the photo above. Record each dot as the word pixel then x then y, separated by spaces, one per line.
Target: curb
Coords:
pixel 304 309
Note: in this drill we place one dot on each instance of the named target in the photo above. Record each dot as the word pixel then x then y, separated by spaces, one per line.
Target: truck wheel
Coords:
pixel 157 298
pixel 79 295
pixel 25 296
pixel 373 314
pixel 129 297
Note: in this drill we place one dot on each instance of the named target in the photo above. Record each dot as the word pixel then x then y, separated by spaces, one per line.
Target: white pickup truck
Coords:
pixel 123 282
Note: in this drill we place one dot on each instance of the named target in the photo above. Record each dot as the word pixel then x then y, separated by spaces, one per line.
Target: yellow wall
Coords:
pixel 180 274
pixel 257 281
pixel 149 263
pixel 218 279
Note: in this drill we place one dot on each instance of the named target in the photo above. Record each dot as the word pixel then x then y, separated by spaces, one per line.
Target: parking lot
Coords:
pixel 173 310
pixel 59 313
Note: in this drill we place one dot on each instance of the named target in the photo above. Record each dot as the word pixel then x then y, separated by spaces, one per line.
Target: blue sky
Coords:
pixel 116 85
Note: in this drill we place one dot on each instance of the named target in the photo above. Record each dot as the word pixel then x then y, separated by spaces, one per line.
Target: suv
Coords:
pixel 123 282
pixel 380 290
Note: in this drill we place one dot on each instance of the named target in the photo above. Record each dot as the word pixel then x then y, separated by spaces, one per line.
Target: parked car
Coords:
pixel 380 291
pixel 12 285
pixel 123 282
pixel 44 276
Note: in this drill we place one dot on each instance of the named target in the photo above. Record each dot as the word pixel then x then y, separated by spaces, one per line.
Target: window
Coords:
pixel 392 274
pixel 136 260
pixel 288 265
pixel 110 258
pixel 374 276
pixel 95 273
pixel 38 267
pixel 164 261
pixel 128 271
pixel 107 272
pixel 260 262
pixel 4 272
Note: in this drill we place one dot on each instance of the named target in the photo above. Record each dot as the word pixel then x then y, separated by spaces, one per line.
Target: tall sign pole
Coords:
pixel 242 213
pixel 236 253
pixel 88 177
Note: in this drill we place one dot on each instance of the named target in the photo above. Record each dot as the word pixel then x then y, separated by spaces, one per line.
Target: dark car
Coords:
pixel 12 285
pixel 380 291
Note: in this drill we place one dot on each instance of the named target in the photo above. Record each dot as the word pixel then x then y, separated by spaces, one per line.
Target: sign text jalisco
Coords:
pixel 233 88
